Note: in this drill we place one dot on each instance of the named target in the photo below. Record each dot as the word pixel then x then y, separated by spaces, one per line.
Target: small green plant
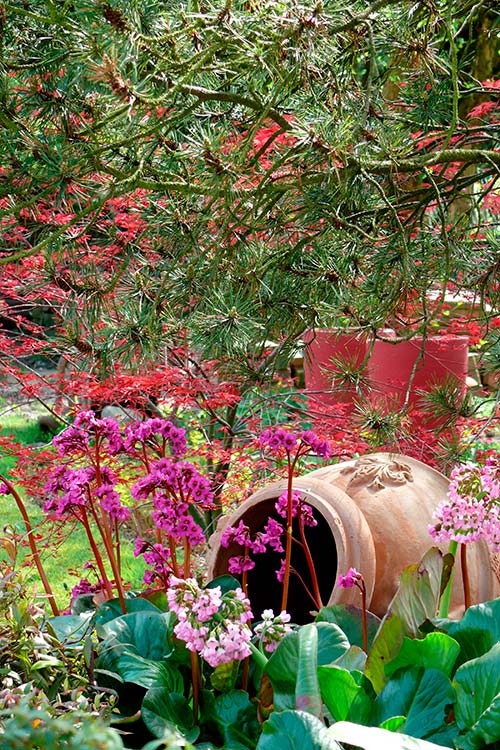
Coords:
pixel 29 725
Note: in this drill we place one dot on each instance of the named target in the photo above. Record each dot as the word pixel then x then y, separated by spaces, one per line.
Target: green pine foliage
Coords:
pixel 245 169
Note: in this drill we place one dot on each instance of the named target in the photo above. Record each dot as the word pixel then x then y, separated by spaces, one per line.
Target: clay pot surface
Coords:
pixel 373 513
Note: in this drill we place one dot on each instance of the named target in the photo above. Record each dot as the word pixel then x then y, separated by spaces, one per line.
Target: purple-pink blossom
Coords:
pixel 320 447
pixel 157 556
pixel 76 437
pixel 240 564
pixel 273 531
pixel 111 503
pixel 239 534
pixel 299 508
pixel 174 518
pixel 179 479
pixel 280 439
pixel 73 484
pixel 142 432
pixel 71 440
pixel 350 579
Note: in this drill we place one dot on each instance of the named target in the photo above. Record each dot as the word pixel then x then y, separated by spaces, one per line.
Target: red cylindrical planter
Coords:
pixel 437 360
pixel 325 390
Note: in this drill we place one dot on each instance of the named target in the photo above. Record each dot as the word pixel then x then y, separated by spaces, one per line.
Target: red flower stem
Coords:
pixel 244 673
pixel 108 544
pixel 173 554
pixel 288 544
pixel 310 563
pixel 244 577
pixel 195 680
pixel 187 557
pixel 34 549
pixel 361 585
pixel 118 545
pixel 465 576
pixel 246 662
pixel 97 554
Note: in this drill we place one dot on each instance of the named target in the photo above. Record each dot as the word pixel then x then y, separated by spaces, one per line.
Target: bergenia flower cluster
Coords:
pixel 84 587
pixel 211 623
pixel 270 538
pixel 156 430
pixel 299 509
pixel 305 442
pixel 89 488
pixel 472 509
pixel 158 558
pixel 350 579
pixel 272 630
pixel 76 438
pixel 68 490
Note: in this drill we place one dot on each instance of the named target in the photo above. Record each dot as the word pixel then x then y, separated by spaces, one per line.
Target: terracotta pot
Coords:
pixel 324 388
pixel 373 514
pixel 390 367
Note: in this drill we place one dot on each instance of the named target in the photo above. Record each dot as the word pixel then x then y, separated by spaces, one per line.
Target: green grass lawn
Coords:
pixel 64 551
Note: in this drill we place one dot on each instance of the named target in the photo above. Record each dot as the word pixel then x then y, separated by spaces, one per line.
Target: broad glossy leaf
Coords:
pixel 435 651
pixel 71 630
pixel 348 618
pixel 295 730
pixel 477 631
pixel 346 694
pixel 353 659
pixel 374 738
pixel 386 647
pixel 419 591
pixel 282 667
pixel 145 633
pixel 223 678
pixel 393 724
pixel 149 673
pixel 485 731
pixel 110 610
pixel 163 711
pixel 236 718
pixel 423 696
pixel 307 695
pixel 477 683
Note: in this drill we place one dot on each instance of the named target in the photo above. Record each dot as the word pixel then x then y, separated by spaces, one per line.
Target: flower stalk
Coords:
pixel 31 541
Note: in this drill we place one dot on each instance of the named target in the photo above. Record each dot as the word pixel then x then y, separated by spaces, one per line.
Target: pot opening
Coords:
pixel 263 586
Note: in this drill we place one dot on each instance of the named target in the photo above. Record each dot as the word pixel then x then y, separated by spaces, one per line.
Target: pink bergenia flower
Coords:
pixel 213 624
pixel 240 564
pixel 272 630
pixel 299 508
pixel 141 432
pixel 273 531
pixel 280 439
pixel 350 579
pixel 180 480
pixel 320 447
pixel 472 509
